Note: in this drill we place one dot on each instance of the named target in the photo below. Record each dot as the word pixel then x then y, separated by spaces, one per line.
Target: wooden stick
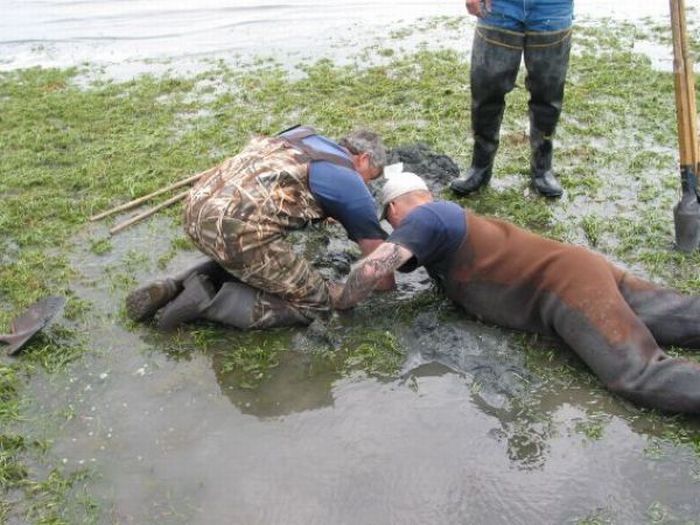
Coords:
pixel 136 202
pixel 148 213
pixel 680 82
pixel 684 82
pixel 690 90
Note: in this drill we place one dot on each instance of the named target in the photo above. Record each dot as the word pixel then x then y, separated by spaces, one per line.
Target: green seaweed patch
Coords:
pixel 177 245
pixel 555 364
pixel 597 517
pixel 251 363
pixel 9 393
pixel 531 212
pixel 76 308
pixel 12 471
pixel 593 427
pixel 60 499
pixel 101 246
pixel 54 349
pixel 375 352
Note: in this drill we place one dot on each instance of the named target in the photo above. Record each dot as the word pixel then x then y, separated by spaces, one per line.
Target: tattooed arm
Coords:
pixel 368 272
pixel 367 246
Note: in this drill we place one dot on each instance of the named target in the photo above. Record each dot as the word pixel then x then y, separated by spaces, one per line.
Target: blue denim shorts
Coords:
pixel 530 15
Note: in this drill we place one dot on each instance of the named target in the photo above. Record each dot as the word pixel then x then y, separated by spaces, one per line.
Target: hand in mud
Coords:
pixel 478 8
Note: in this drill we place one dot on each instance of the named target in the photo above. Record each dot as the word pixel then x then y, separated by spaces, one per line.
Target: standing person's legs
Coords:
pixel 496 54
pixel 546 55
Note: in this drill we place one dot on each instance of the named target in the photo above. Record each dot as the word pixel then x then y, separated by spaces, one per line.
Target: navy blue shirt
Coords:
pixel 342 194
pixel 433 233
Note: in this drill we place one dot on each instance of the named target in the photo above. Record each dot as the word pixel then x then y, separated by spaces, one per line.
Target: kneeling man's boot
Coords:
pixel 244 307
pixel 189 305
pixel 145 301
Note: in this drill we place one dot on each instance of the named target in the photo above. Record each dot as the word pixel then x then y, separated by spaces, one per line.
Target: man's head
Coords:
pixel 368 153
pixel 402 192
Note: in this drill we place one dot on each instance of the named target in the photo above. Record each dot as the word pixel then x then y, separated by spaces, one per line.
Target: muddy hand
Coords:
pixel 478 8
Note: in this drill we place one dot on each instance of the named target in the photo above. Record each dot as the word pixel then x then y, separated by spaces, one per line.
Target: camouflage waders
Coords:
pixel 239 213
pixel 611 319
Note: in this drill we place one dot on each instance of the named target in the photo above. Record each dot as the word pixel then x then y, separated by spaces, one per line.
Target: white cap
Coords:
pixel 399 182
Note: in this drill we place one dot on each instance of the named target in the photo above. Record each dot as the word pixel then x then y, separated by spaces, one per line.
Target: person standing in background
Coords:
pixel 539 31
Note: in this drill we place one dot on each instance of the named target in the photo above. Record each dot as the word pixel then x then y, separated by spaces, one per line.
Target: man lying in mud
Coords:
pixel 505 275
pixel 238 214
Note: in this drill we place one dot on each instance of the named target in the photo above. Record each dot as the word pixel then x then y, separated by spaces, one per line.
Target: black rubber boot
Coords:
pixel 242 306
pixel 196 295
pixel 145 301
pixel 546 61
pixel 494 67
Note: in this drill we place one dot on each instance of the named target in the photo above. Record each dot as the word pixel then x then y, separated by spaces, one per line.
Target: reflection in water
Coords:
pixel 299 382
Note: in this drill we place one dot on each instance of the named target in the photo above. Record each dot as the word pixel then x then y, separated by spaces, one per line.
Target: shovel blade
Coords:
pixel 686 217
pixel 36 317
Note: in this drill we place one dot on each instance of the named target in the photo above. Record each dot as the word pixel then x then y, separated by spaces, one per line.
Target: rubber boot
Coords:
pixel 546 61
pixel 197 293
pixel 244 307
pixel 145 301
pixel 494 67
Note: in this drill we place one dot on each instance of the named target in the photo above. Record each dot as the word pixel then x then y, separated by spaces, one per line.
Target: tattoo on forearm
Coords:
pixel 367 274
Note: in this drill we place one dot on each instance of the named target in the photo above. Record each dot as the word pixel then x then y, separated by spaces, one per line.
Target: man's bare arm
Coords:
pixel 367 246
pixel 368 272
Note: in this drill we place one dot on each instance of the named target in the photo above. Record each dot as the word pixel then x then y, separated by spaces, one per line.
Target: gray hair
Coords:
pixel 365 141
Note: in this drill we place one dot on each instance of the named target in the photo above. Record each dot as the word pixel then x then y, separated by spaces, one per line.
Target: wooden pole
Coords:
pixel 140 200
pixel 694 153
pixel 684 82
pixel 148 213
pixel 686 213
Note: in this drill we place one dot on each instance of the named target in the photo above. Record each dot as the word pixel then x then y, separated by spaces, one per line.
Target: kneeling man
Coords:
pixel 239 214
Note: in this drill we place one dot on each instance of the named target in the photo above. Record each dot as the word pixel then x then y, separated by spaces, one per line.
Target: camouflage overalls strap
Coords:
pixel 239 212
